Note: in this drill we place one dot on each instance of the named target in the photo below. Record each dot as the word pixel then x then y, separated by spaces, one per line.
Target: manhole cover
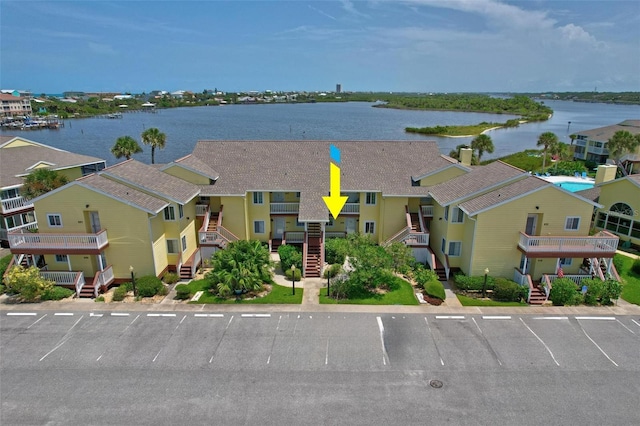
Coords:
pixel 435 384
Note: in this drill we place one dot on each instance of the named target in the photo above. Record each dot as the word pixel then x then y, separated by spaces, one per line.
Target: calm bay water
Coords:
pixel 320 121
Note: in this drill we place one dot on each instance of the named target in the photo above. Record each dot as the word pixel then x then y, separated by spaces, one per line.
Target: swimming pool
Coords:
pixel 574 186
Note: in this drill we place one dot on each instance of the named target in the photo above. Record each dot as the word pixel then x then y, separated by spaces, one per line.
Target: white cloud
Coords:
pixel 349 7
pixel 575 33
pixel 323 13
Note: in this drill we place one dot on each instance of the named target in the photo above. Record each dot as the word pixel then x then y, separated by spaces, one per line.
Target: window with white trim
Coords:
pixel 169 213
pixel 566 261
pixel 172 246
pixel 184 243
pixel 258 226
pixel 369 227
pixel 54 220
pixel 180 211
pixel 457 215
pixel 370 199
pixel 258 198
pixel 572 223
pixel 455 248
pixel 61 258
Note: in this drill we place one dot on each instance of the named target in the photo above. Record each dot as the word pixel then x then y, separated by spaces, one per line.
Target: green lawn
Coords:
pixel 470 301
pixel 631 281
pixel 278 295
pixel 403 295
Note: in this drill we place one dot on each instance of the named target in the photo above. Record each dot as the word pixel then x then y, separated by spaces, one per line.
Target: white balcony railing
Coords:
pixel 335 235
pixel 59 242
pixel 427 211
pixel 351 208
pixel 201 209
pixel 74 278
pixel 417 239
pixel 221 236
pixel 104 277
pixel 280 208
pixel 14 204
pixel 603 242
pixel 294 237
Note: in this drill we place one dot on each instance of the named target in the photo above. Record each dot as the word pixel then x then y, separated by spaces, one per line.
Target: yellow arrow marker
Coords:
pixel 335 201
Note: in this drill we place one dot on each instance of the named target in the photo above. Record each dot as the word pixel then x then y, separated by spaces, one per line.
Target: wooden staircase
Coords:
pixel 213 222
pixel 312 262
pixel 185 272
pixel 415 222
pixel 275 244
pixel 537 296
pixel 86 291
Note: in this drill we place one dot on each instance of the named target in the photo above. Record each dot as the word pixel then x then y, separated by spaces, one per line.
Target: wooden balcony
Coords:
pixel 604 244
pixel 36 243
pixel 285 208
pixel 201 209
pixel 17 204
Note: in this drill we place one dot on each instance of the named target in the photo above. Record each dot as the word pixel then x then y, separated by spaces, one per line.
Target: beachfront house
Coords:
pixel 591 145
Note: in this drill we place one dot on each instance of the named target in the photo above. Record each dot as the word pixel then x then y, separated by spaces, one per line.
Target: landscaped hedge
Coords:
pixel 289 255
pixel 120 293
pixel 288 274
pixel 435 289
pixel 183 292
pixel 465 283
pixel 636 267
pixel 336 250
pixel 170 278
pixel 565 292
pixel 4 262
pixel 56 293
pixel 506 290
pixel 149 286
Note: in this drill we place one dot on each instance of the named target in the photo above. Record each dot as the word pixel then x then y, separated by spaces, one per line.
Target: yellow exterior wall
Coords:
pixel 442 176
pixel 498 231
pixel 437 231
pixel 620 191
pixel 370 213
pixel 187 175
pixel 72 173
pixel 394 217
pixel 233 215
pixel 127 227
pixel 456 232
pixel 17 143
pixel 259 212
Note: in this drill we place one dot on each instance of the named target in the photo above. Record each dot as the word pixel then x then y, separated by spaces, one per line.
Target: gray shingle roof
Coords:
pixel 191 162
pixel 150 179
pixel 592 194
pixel 478 180
pixel 15 162
pixel 603 134
pixel 376 166
pixel 123 192
pixel 503 194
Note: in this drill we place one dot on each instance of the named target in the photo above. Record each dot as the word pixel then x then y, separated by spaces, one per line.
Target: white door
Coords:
pixel 350 225
pixel 94 220
pixel 532 221
pixel 277 197
pixel 278 227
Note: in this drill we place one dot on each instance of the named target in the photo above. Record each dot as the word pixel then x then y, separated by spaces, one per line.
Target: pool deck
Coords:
pixel 572 179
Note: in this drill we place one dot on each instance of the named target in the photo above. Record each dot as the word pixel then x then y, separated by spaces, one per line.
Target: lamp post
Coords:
pixel 293 278
pixel 329 283
pixel 133 281
pixel 484 285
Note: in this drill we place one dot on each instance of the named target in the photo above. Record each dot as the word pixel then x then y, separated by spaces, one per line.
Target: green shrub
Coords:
pixel 2 289
pixel 288 274
pixel 422 276
pixel 336 250
pixel 56 293
pixel 4 263
pixel 564 292
pixel 435 288
pixel 183 292
pixel 636 267
pixel 149 286
pixel 332 270
pixel 611 291
pixel 170 278
pixel 506 290
pixel 289 255
pixel 465 283
pixel 120 293
pixel 164 290
pixel 594 291
pixel 127 285
pixel 100 299
pixel 618 262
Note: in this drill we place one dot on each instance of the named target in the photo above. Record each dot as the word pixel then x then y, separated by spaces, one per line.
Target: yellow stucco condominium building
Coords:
pixel 454 216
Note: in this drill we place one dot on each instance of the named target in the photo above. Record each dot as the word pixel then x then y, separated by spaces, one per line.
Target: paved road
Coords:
pixel 168 368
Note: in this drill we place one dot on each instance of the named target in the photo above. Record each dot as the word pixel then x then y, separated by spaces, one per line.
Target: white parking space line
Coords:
pixel 183 318
pixel 95 315
pixel 385 357
pixel 64 314
pixel 551 318
pixel 156 357
pixel 161 315
pixel 597 346
pixel 38 320
pixel 119 314
pixel 449 316
pixel 18 314
pixel 636 322
pixel 498 317
pixel 628 329
pixel 541 341
pixel 597 318
pixel 326 353
pixel 435 344
pixel 63 340
pixel 208 315
pixel 257 316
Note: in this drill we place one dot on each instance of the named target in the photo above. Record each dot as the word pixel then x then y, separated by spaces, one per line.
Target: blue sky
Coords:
pixel 413 45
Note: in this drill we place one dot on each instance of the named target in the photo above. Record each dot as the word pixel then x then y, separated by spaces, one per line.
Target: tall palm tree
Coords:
pixel 482 143
pixel 41 181
pixel 125 146
pixel 622 142
pixel 560 150
pixel 546 140
pixel 155 138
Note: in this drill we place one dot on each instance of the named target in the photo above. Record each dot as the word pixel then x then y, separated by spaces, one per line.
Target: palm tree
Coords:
pixel 41 181
pixel 546 140
pixel 155 138
pixel 482 143
pixel 125 146
pixel 622 142
pixel 573 137
pixel 560 150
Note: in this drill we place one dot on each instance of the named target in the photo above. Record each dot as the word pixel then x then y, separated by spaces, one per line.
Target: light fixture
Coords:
pixel 86 206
